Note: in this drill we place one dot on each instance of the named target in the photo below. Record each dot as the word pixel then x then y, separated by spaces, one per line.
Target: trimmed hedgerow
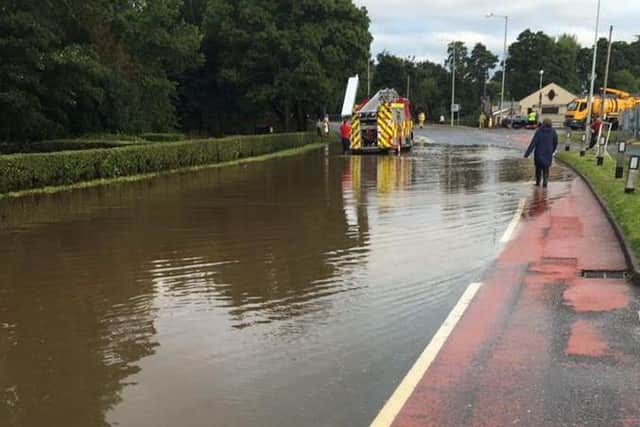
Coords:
pixel 53 145
pixel 20 172
pixel 163 137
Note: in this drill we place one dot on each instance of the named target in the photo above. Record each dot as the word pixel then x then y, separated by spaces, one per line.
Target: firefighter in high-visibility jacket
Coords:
pixel 532 118
pixel 421 119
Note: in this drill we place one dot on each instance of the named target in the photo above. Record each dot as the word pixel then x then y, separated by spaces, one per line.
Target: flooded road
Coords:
pixel 291 292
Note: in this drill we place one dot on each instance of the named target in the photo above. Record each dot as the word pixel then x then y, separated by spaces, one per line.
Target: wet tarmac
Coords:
pixel 295 291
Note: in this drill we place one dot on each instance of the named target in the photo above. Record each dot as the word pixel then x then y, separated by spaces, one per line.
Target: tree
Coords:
pixel 479 63
pixel 391 72
pixel 565 58
pixel 527 56
pixel 91 65
pixel 48 66
pixel 290 58
pixel 625 80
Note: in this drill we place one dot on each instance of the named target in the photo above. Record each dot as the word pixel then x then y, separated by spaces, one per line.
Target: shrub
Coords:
pixel 163 137
pixel 52 146
pixel 27 171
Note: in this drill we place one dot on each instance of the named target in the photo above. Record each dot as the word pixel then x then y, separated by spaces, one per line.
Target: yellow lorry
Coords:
pixel 615 101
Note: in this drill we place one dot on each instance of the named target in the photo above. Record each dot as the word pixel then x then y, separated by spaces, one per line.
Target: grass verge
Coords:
pixel 625 208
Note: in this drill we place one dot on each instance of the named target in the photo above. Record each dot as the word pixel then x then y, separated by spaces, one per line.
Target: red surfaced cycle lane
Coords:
pixel 539 344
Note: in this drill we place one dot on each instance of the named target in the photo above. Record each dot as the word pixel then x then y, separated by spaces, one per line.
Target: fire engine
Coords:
pixel 382 124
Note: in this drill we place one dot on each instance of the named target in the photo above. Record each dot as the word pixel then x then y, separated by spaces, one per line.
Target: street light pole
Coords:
pixel 587 127
pixel 606 73
pixel 453 82
pixel 368 78
pixel 504 59
pixel 540 94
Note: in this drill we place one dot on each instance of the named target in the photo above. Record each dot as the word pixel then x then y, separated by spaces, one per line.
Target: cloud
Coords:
pixel 409 28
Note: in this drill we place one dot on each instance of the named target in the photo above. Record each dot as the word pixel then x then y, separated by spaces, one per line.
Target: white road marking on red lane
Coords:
pixel 514 222
pixel 402 393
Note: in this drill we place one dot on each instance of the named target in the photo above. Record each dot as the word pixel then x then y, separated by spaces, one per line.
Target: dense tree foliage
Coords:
pixel 565 62
pixel 276 62
pixel 78 66
pixel 209 66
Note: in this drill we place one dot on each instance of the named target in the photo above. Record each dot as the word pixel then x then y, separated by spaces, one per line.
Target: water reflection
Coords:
pixel 73 329
pixel 539 203
pixel 463 168
pixel 394 173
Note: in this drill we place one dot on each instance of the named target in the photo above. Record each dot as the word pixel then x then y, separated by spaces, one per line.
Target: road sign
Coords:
pixel 455 108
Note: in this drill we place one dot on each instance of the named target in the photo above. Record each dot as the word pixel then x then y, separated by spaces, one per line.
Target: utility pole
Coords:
pixel 606 73
pixel 504 61
pixel 587 130
pixel 408 86
pixel 504 65
pixel 368 78
pixel 540 95
pixel 453 82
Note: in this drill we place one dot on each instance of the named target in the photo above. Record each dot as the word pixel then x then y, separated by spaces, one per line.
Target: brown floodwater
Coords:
pixel 290 292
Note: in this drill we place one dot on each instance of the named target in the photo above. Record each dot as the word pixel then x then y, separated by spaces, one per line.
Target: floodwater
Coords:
pixel 291 292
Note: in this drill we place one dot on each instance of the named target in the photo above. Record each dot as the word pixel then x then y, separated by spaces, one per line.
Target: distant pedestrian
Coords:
pixel 544 143
pixel 595 130
pixel 421 119
pixel 482 120
pixel 326 124
pixel 345 135
pixel 319 127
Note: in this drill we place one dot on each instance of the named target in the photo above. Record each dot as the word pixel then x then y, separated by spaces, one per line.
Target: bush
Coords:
pixel 52 146
pixel 163 137
pixel 27 171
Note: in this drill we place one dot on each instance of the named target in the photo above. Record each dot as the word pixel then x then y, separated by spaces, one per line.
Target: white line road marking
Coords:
pixel 514 222
pixel 397 400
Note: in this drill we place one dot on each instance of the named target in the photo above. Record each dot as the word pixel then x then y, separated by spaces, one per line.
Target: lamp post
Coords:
pixel 504 59
pixel 540 95
pixel 452 44
pixel 368 78
pixel 587 128
pixel 453 83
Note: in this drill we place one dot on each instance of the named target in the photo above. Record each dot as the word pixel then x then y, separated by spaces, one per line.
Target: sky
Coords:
pixel 422 29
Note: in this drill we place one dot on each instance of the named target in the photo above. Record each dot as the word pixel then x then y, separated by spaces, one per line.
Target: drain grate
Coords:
pixel 604 274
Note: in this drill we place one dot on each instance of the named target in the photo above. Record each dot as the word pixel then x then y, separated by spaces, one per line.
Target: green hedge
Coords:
pixel 20 172
pixel 51 146
pixel 88 142
pixel 163 137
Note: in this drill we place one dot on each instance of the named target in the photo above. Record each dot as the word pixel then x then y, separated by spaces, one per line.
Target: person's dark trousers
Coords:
pixel 345 145
pixel 542 174
pixel 594 139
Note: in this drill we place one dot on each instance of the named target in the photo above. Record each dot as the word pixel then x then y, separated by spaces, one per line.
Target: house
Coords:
pixel 553 98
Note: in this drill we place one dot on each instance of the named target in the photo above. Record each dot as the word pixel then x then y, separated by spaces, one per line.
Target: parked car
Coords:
pixel 514 122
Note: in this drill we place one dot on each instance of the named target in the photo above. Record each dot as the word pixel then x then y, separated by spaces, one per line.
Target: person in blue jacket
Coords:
pixel 544 143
